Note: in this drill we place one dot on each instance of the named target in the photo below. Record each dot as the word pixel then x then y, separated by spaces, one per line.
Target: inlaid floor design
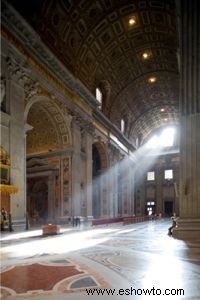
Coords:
pixel 139 256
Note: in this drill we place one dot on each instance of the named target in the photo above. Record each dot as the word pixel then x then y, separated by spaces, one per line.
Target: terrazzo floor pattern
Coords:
pixel 134 258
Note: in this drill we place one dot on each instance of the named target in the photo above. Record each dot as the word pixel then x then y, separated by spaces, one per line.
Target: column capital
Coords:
pixel 84 125
pixel 27 128
pixel 31 88
pixel 17 71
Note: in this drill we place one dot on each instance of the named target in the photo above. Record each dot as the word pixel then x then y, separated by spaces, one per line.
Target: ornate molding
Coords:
pixel 31 89
pixel 113 153
pixel 47 79
pixel 85 125
pixel 14 23
pixel 16 70
pixel 52 73
pixel 3 89
pixel 67 114
pixel 4 119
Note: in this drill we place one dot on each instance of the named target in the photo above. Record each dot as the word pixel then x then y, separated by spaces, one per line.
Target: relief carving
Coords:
pixel 3 90
pixel 85 125
pixel 66 113
pixel 16 70
pixel 31 89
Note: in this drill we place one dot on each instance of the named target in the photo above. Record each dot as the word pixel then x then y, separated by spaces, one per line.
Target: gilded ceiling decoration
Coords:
pixel 122 44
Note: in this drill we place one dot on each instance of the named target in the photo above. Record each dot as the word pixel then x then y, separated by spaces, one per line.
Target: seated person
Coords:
pixel 174 220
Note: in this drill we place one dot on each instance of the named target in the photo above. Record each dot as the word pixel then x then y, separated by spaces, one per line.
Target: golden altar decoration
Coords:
pixel 5 187
pixel 4 167
pixel 8 189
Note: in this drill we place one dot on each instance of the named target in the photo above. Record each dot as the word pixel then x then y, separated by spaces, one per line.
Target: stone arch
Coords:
pixel 103 154
pixel 100 165
pixel 44 115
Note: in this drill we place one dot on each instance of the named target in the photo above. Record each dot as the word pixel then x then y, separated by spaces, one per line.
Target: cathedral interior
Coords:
pixel 100 147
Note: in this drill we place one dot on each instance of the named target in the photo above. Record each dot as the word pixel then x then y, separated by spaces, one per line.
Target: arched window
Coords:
pixel 122 125
pixel 99 97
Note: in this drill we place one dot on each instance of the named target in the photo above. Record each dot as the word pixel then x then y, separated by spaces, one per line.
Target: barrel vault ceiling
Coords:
pixel 96 42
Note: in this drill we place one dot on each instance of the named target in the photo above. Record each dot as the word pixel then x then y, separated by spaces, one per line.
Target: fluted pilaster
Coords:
pixel 189 25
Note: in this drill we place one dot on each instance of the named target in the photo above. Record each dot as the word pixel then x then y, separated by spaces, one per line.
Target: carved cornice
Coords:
pixel 32 42
pixel 50 81
pixel 113 129
pixel 52 72
pixel 60 153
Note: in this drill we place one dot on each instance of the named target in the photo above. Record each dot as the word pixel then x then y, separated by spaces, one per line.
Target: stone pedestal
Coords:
pixel 50 229
pixel 187 229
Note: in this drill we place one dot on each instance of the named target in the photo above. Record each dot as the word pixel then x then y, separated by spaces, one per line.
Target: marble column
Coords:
pixel 113 180
pixel 88 179
pixel 17 142
pixel 189 25
pixel 27 128
pixel 51 197
pixel 76 171
pixel 130 190
pixel 115 190
pixel 103 193
pixel 159 191
pixel 112 190
pixel 176 187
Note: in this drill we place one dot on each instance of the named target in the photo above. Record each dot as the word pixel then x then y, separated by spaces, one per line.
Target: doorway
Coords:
pixel 37 196
pixel 96 187
pixel 168 208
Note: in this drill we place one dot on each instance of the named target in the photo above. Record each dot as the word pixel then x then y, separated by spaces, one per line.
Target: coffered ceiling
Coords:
pixel 117 45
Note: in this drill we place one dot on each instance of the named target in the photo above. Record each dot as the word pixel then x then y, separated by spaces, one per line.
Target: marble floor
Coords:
pixel 138 261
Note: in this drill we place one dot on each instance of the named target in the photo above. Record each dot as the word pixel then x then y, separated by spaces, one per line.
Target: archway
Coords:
pixel 37 201
pixel 47 142
pixel 100 164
